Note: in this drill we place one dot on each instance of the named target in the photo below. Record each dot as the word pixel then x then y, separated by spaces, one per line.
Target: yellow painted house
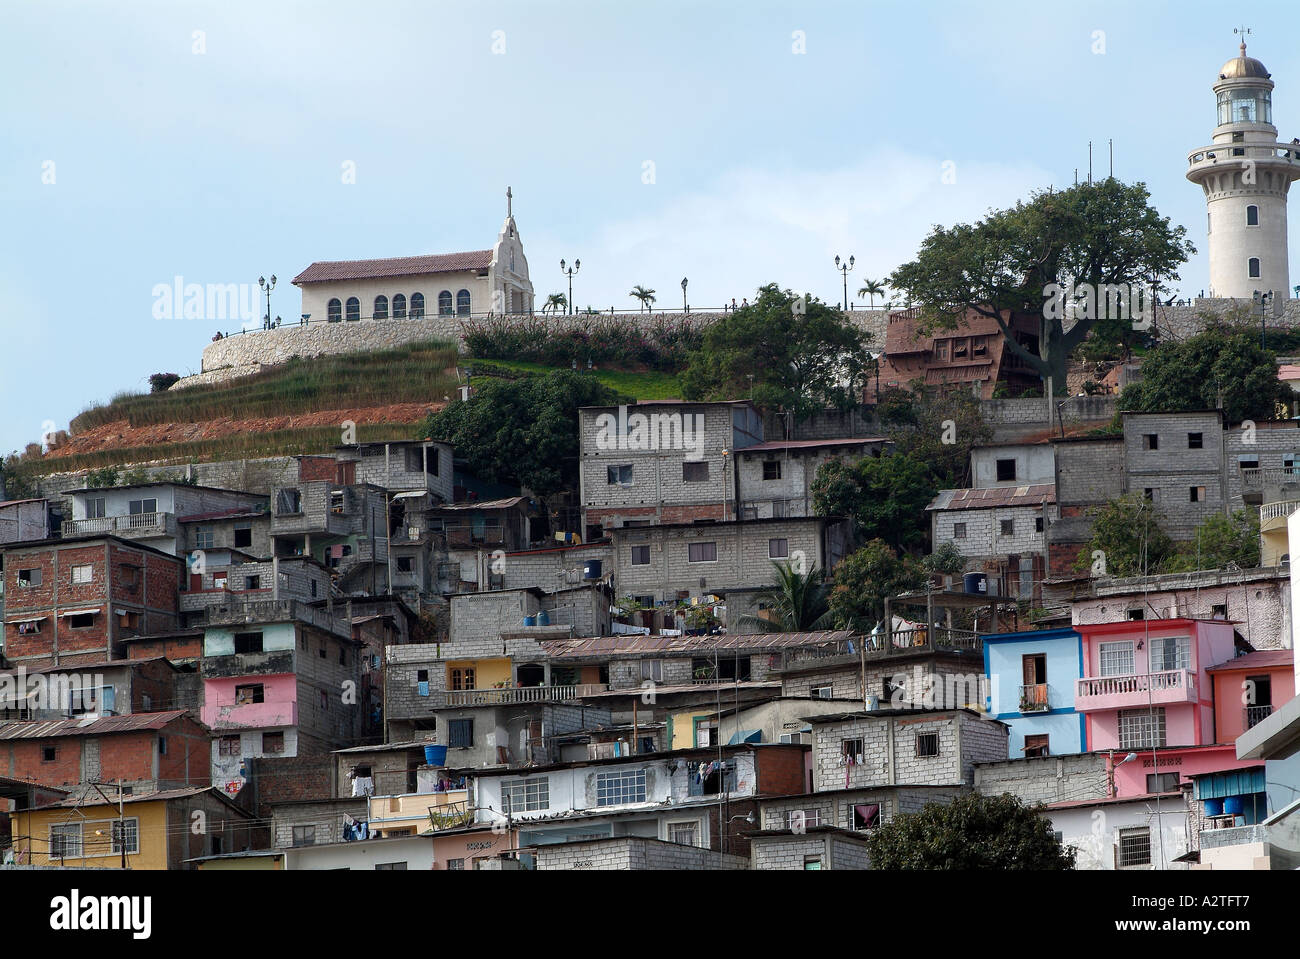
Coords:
pixel 158 830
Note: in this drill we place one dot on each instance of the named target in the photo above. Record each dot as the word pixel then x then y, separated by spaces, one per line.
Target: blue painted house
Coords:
pixel 1031 681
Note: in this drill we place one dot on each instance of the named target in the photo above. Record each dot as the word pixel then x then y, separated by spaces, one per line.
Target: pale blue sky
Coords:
pixel 225 165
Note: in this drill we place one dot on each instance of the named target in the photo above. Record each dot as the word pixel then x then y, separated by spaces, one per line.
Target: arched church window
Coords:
pixel 417 306
pixel 334 311
pixel 462 303
pixel 354 308
pixel 1252 215
pixel 1253 267
pixel 381 308
pixel 444 303
pixel 399 306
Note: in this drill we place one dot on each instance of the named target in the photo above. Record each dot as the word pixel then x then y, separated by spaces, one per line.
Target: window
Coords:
pixel 29 577
pixel 353 308
pixel 219 580
pixel 1038 524
pixel 802 819
pixel 461 677
pixel 288 501
pixel 80 621
pixel 526 795
pixel 252 582
pixel 1252 267
pixel 1116 659
pixel 138 507
pixel 83 574
pixel 620 787
pixel 458 864
pixel 771 469
pixel 126 837
pixel 95 508
pixel 1219 611
pixel 618 475
pixel 1252 215
pixel 381 308
pixel 229 746
pixel 444 303
pixel 958 530
pixel 1149 494
pixel 1162 782
pixel 824 691
pixel 1248 461
pixel 1141 728
pixel 334 311
pixel 272 743
pixel 399 306
pixel 1035 746
pixel 1196 494
pixel 684 833
pixel 49 753
pixel 243 535
pixel 864 816
pixel 386 866
pixel 1137 614
pixel 203 537
pixel 65 841
pixel 640 555
pixel 778 548
pixel 851 750
pixel 695 472
pixel 460 733
pixel 812 862
pixel 652 669
pixel 304 835
pixel 417 306
pixel 1170 652
pixel 406 564
pixel 927 744
pixel 462 303
pixel 1195 441
pixel 1151 441
pixel 1007 527
pixel 1134 847
pixel 1006 470
pixel 250 693
pixel 701 552
pixel 248 642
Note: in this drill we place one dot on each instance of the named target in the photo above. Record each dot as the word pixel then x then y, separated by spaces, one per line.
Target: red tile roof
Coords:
pixel 1258 660
pixel 327 270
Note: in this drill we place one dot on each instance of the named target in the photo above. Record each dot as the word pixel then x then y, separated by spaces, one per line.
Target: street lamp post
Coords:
pixel 1263 301
pixel 267 288
pixel 685 308
pixel 844 270
pixel 569 271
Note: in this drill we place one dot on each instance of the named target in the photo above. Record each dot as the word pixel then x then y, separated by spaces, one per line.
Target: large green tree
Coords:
pixel 884 496
pixel 866 578
pixel 937 428
pixel 1224 360
pixel 797 353
pixel 1003 266
pixel 1221 540
pixel 1127 533
pixel 522 431
pixel 972 832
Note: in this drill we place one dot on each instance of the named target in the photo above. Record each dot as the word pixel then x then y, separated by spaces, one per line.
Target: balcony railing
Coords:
pixel 1256 478
pixel 1281 510
pixel 934 639
pixel 276 611
pixel 518 695
pixel 1136 689
pixel 1033 698
pixel 140 524
pixel 1256 715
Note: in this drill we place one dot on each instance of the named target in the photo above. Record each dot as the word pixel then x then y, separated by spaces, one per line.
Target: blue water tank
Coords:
pixel 976 583
pixel 435 755
pixel 530 620
pixel 1214 807
pixel 591 569
pixel 543 618
pixel 1234 805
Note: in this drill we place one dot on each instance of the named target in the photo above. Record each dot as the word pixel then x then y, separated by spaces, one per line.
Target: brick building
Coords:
pixel 974 356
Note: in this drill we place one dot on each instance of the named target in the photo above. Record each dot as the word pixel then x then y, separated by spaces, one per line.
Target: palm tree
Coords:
pixel 647 297
pixel 556 301
pixel 872 289
pixel 799 603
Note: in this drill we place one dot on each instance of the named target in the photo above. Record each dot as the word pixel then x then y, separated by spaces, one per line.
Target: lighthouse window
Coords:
pixel 1252 216
pixel 1253 267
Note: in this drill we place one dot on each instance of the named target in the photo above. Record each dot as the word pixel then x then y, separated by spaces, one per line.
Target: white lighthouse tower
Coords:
pixel 1246 174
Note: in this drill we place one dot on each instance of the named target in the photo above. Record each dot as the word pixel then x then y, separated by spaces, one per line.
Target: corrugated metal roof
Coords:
pixel 1257 660
pixel 483 504
pixel 634 644
pixel 46 729
pixel 994 497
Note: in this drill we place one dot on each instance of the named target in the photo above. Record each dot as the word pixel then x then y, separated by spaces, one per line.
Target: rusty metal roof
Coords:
pixel 994 497
pixel 51 728
pixel 631 645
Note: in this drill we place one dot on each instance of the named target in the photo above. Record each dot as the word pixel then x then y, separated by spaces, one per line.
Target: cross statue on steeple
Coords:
pixel 509 196
pixel 1243 31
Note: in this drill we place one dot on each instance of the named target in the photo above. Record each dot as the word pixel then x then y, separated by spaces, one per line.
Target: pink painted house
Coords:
pixel 242 702
pixel 1250 688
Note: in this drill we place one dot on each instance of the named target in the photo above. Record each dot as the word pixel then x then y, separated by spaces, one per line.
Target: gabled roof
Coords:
pixel 324 271
pixel 1260 659
pixel 53 728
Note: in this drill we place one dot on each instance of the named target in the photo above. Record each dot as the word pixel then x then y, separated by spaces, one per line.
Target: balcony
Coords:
pixel 445 810
pixel 220 718
pixel 1169 687
pixel 237 613
pixel 1257 479
pixel 1254 715
pixel 1034 698
pixel 937 639
pixel 467 537
pixel 519 695
pixel 268 663
pixel 132 526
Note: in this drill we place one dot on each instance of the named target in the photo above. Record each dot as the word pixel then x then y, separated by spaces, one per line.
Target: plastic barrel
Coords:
pixel 1234 806
pixel 1214 807
pixel 543 618
pixel 530 620
pixel 591 569
pixel 435 755
pixel 976 583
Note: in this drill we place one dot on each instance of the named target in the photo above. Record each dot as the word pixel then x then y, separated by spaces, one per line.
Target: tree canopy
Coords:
pixel 866 578
pixel 522 431
pixel 1127 532
pixel 884 496
pixel 972 832
pixel 803 355
pixel 937 428
pixel 797 604
pixel 1002 267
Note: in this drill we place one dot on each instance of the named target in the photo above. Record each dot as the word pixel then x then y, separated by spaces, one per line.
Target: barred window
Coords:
pixel 927 744
pixel 1134 847
pixel 1116 659
pixel 620 787
pixel 1141 728
pixel 526 795
pixel 65 841
pixel 800 819
pixel 126 833
pixel 1171 652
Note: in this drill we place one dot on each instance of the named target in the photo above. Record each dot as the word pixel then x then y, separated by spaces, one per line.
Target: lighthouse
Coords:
pixel 1246 174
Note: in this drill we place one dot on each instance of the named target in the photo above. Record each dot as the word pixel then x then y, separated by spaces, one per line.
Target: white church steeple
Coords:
pixel 1246 175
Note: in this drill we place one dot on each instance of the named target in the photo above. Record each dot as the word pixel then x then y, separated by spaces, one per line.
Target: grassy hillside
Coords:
pixel 647 385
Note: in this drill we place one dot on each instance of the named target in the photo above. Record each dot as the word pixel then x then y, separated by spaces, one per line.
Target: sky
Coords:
pixel 732 142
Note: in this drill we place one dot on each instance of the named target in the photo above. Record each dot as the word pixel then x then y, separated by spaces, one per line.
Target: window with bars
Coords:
pixel 1141 728
pixel 771 469
pixel 1171 652
pixel 1116 659
pixel 1134 847
pixel 927 745
pixel 799 819
pixel 526 795
pixel 684 833
pixel 695 472
pixel 460 733
pixel 126 837
pixel 620 787
pixel 65 841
